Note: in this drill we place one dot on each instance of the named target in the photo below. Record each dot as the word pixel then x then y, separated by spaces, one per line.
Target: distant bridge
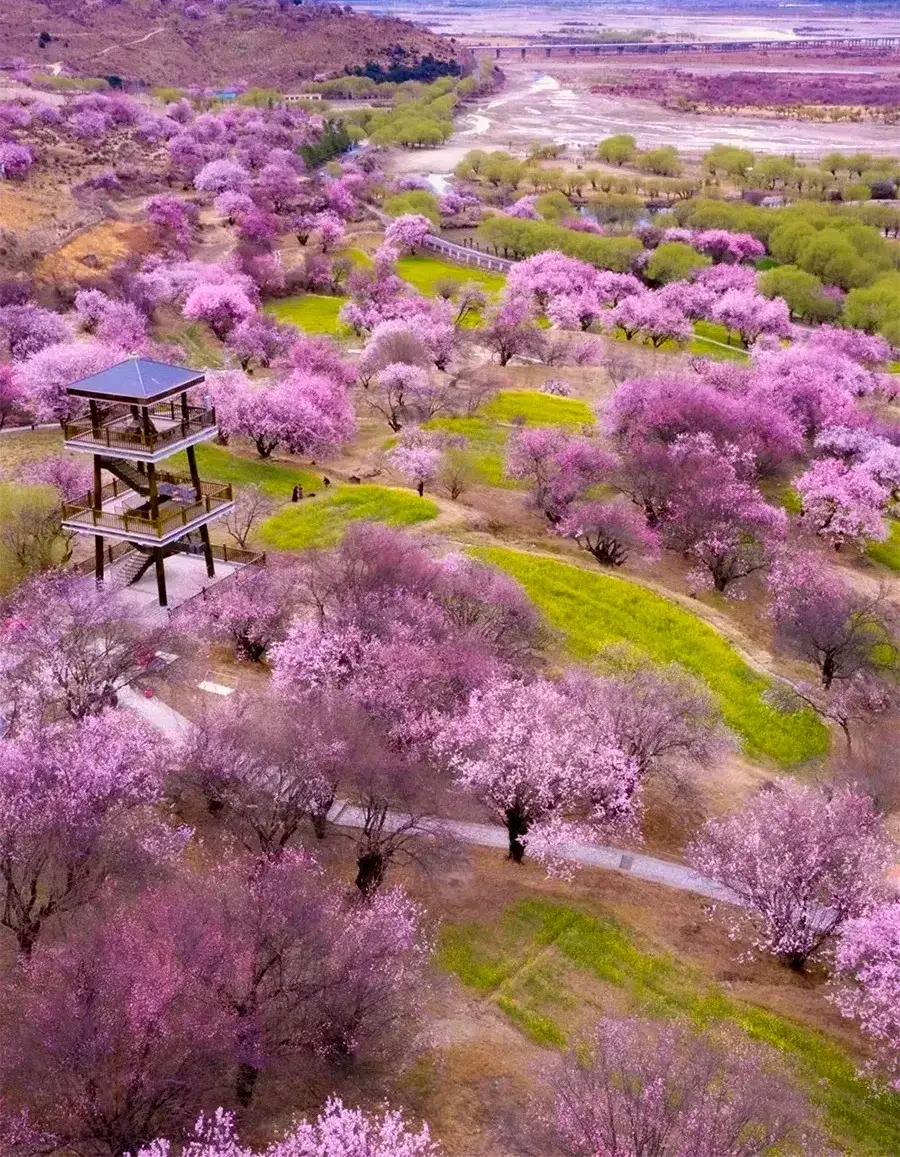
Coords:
pixel 662 48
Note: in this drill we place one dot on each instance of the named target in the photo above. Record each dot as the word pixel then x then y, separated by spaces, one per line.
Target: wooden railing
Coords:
pixel 231 554
pixel 111 554
pixel 122 438
pixel 83 512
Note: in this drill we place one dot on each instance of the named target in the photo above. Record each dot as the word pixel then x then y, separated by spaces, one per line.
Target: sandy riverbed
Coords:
pixel 556 106
pixel 504 20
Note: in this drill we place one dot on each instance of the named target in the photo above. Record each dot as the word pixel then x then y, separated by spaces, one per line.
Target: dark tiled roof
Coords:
pixel 137 380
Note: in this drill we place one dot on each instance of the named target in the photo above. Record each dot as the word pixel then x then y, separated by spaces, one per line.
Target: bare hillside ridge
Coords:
pixel 161 42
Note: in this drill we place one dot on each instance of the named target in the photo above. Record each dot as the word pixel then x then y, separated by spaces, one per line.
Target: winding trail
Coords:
pixel 344 814
pixel 131 43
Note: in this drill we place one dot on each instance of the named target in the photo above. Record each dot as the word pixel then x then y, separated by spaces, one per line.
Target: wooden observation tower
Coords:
pixel 139 415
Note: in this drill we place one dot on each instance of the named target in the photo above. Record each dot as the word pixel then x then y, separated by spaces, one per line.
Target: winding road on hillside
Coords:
pixel 131 43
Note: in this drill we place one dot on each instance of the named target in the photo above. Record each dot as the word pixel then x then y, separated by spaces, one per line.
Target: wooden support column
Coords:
pixel 147 425
pixel 204 530
pixel 95 418
pixel 98 505
pixel 160 576
pixel 154 493
pixel 157 553
pixel 207 552
pixel 195 473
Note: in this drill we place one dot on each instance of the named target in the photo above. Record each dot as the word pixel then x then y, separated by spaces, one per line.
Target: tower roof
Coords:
pixel 137 380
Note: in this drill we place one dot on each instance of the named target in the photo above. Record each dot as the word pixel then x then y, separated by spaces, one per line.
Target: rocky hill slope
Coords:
pixel 210 42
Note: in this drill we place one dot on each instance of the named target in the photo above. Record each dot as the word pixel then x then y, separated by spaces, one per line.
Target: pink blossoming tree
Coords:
pixel 637 1088
pixel 529 753
pixel 560 467
pixel 608 531
pixel 222 306
pixel 64 649
pixel 800 861
pixel 867 973
pixel 337 1131
pixel 72 797
pixel 406 234
pixel 27 329
pixel 251 612
pixel 306 413
pixel 842 504
pixel 821 618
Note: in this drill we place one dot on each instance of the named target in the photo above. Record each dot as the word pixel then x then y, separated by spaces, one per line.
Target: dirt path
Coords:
pixel 131 43
pixel 343 814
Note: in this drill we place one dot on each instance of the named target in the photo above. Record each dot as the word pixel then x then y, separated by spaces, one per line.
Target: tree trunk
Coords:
pixel 421 489
pixel 319 819
pixel 827 671
pixel 245 1083
pixel 516 827
pixel 27 938
pixel 370 869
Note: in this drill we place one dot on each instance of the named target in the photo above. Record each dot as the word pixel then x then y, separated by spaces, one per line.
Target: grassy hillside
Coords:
pixel 596 610
pixel 549 966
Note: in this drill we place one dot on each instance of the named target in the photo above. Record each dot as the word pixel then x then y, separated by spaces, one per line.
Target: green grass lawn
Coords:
pixel 595 610
pixel 487 442
pixel 199 346
pixel 887 552
pixel 424 274
pixel 488 430
pixel 219 464
pixel 550 967
pixel 784 495
pixel 321 521
pixel 538 409
pixel 312 312
pixel 711 340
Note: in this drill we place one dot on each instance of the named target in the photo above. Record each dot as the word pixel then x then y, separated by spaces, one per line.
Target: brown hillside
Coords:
pixel 164 42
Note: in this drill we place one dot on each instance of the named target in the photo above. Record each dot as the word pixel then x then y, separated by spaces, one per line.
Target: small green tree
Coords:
pixel 664 161
pixel 416 201
pixel 729 161
pixel 804 293
pixel 834 162
pixel 876 308
pixel 617 150
pixel 674 261
pixel 554 207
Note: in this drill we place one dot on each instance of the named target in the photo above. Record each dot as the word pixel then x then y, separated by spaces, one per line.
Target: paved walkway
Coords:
pixel 344 814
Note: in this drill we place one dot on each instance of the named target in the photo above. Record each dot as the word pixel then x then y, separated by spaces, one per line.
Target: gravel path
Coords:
pixel 168 721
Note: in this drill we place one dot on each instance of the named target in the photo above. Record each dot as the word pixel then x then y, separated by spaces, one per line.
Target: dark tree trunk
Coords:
pixel 319 819
pixel 828 666
pixel 27 938
pixel 245 1083
pixel 516 827
pixel 370 869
